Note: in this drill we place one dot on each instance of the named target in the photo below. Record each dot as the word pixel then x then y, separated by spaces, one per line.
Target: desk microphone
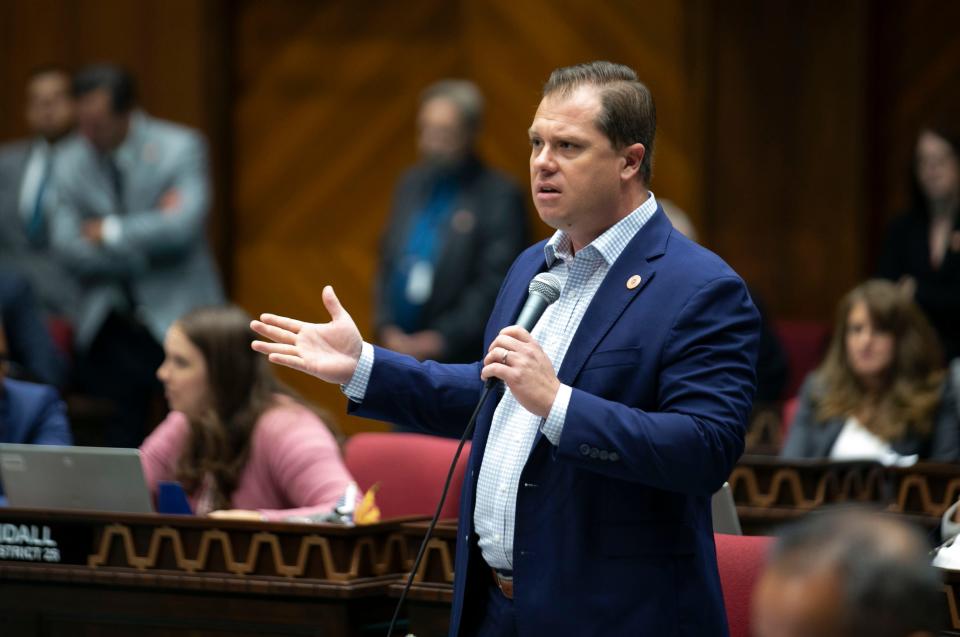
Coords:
pixel 544 289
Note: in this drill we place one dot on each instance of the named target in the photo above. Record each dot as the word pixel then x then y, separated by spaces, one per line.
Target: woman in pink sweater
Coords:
pixel 238 441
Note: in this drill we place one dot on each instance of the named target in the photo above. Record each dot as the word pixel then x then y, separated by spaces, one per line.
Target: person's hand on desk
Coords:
pixel 237 514
pixel 519 361
pixel 329 351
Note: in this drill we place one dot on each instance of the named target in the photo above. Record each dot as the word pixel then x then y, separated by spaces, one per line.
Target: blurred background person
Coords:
pixel 237 440
pixel 882 392
pixel 28 194
pixel 30 346
pixel 131 223
pixel 30 413
pixel 848 574
pixel 922 248
pixel 454 229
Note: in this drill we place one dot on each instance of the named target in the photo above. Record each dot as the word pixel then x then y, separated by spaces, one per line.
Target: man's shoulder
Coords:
pixel 156 130
pixel 15 149
pixel 696 261
pixel 26 393
pixel 73 149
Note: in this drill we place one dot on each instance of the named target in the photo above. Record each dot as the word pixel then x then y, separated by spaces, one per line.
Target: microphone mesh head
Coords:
pixel 546 285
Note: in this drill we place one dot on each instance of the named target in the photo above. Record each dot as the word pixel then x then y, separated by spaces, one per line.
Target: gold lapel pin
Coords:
pixel 633 282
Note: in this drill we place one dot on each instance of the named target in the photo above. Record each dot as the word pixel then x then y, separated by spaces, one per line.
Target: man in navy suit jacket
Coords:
pixel 586 505
pixel 30 413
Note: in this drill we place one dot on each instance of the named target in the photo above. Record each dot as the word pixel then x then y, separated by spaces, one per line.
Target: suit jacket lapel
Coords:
pixel 614 295
pixel 511 302
pixel 516 295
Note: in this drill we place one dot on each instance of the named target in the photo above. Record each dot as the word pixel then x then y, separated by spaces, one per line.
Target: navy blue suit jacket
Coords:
pixel 32 414
pixel 621 542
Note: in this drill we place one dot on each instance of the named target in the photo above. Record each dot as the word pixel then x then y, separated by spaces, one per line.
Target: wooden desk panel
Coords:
pixel 70 573
pixel 111 575
pixel 769 491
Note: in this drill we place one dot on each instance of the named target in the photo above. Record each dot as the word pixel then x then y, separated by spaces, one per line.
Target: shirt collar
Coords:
pixel 608 245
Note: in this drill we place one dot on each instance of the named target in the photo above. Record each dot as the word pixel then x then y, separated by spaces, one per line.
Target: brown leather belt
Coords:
pixel 505 584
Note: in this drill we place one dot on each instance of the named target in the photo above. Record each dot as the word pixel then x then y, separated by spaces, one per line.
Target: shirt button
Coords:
pixel 496 536
pixel 585 449
pixel 503 488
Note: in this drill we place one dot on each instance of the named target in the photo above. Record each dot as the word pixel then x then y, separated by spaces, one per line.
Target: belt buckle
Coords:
pixel 505 584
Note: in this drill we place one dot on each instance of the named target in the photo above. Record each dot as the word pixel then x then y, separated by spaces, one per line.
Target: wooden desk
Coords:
pixel 68 573
pixel 769 491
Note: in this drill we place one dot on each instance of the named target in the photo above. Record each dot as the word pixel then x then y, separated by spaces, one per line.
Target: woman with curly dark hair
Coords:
pixel 241 444
pixel 882 392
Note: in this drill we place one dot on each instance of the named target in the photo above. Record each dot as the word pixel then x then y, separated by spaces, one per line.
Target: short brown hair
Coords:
pixel 465 96
pixel 628 114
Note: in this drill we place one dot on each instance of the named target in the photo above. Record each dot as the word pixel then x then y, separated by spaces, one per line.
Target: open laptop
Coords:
pixel 88 478
pixel 725 518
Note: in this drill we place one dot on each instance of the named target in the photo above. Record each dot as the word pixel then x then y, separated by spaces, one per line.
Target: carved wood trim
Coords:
pixel 381 557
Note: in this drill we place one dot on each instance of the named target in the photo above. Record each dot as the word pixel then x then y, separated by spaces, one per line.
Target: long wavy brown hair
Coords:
pixel 242 387
pixel 912 384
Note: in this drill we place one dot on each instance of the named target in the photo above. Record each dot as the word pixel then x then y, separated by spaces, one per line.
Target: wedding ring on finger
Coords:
pixel 504 359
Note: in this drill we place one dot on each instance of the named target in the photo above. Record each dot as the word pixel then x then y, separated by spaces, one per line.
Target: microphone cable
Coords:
pixel 443 497
pixel 543 290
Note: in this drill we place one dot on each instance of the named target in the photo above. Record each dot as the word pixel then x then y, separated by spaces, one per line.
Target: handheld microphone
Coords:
pixel 544 289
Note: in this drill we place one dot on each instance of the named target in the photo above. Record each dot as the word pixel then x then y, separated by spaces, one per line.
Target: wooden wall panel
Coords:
pixel 915 53
pixel 785 179
pixel 326 100
pixel 784 129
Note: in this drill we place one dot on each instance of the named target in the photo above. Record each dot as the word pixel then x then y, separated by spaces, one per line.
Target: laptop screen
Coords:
pixel 86 478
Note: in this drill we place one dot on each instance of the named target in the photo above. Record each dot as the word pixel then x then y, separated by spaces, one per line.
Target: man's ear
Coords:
pixel 632 159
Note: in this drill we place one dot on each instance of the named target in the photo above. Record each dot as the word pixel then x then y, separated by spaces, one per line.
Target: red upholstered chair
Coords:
pixel 410 468
pixel 788 413
pixel 61 331
pixel 805 343
pixel 741 559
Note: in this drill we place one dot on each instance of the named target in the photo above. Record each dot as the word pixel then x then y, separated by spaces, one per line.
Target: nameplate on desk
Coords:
pixel 45 543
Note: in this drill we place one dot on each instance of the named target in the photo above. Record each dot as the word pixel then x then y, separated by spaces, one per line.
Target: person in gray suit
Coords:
pixel 27 193
pixel 134 195
pixel 455 228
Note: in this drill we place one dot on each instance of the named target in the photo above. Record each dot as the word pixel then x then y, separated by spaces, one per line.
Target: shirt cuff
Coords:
pixel 356 388
pixel 111 231
pixel 553 426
